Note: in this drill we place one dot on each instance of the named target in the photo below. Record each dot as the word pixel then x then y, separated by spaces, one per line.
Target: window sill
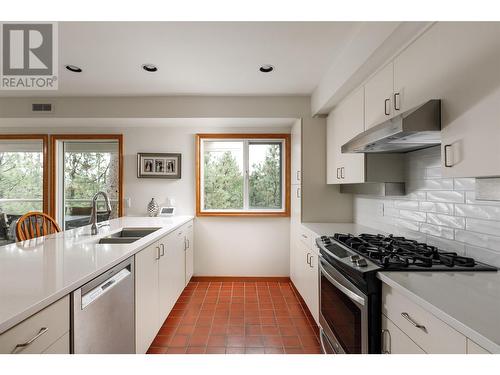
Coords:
pixel 244 214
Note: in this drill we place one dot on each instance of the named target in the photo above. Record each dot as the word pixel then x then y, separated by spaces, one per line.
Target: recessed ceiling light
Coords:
pixel 74 68
pixel 266 68
pixel 149 67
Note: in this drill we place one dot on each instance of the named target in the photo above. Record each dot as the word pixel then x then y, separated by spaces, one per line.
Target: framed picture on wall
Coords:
pixel 158 165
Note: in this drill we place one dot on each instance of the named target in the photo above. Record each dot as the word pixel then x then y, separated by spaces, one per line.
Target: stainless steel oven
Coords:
pixel 343 313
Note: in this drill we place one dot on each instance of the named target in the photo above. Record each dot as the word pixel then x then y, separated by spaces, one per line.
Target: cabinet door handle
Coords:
pixel 386 110
pixel 189 243
pixel 162 249
pixel 42 331
pixel 396 101
pixel 342 174
pixel 307 258
pixel 298 192
pixel 386 345
pixel 338 171
pixel 311 261
pixel 304 236
pixel 158 252
pixel 298 175
pixel 446 164
pixel 413 323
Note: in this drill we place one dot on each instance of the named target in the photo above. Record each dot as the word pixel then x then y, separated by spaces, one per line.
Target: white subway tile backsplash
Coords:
pixel 442 208
pixel 391 212
pixel 407 224
pixel 470 198
pixel 483 255
pixel 437 184
pixel 484 226
pixel 440 211
pixel 406 205
pixel 464 184
pixel 478 239
pixel 478 211
pixel 446 245
pixel 446 220
pixel 436 230
pixel 413 215
pixel 446 196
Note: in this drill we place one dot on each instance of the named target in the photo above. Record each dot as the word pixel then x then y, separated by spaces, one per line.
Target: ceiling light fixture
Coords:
pixel 74 68
pixel 149 68
pixel 266 68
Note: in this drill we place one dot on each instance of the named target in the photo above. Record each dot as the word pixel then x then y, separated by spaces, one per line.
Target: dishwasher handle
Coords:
pixel 104 287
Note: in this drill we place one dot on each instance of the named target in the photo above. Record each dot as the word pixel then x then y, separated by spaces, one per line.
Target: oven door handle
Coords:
pixel 349 293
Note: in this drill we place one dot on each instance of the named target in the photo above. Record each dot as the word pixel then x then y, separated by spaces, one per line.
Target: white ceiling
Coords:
pixel 202 58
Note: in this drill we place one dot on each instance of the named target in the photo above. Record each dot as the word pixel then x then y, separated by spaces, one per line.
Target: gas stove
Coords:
pixel 392 253
pixel 350 292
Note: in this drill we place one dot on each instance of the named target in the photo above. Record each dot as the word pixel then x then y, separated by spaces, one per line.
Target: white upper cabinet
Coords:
pixel 416 79
pixel 296 152
pixel 457 62
pixel 379 92
pixel 343 124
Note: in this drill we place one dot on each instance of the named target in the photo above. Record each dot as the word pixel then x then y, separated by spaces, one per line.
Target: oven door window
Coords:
pixel 342 315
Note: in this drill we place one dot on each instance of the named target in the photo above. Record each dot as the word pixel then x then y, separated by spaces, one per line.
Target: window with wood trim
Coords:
pixel 23 179
pixel 243 174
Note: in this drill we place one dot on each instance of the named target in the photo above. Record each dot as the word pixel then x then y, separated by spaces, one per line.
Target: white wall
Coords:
pixel 223 246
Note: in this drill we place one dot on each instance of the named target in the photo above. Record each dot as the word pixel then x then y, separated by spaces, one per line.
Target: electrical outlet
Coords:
pixel 380 209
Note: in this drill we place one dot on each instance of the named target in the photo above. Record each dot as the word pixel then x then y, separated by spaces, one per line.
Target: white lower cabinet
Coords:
pixel 45 332
pixel 189 250
pixel 147 297
pixel 304 268
pixel 426 330
pixel 159 280
pixel 171 274
pixel 395 341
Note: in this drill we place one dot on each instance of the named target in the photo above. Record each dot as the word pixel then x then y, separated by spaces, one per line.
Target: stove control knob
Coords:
pixel 354 258
pixel 361 263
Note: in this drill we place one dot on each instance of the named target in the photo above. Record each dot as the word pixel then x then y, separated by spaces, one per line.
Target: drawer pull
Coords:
pixel 30 341
pixel 413 323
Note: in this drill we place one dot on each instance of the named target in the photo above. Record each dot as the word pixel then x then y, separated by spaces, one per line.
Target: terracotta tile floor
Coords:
pixel 238 318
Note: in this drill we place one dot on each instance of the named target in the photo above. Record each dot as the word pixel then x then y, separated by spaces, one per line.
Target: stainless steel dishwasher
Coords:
pixel 103 313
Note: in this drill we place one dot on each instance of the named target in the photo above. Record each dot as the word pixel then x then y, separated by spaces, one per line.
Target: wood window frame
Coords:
pixel 54 138
pixel 45 165
pixel 287 152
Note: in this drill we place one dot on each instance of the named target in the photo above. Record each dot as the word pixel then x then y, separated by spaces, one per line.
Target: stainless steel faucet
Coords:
pixel 93 214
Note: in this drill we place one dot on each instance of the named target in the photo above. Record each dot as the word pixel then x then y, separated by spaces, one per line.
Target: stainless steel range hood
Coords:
pixel 412 130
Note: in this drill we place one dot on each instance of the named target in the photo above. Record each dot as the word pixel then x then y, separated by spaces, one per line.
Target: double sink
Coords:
pixel 127 235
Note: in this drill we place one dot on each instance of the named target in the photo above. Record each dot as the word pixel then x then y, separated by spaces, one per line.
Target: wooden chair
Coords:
pixel 35 224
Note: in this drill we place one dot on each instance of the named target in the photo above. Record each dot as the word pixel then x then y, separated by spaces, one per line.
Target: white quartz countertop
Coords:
pixel 36 273
pixel 467 301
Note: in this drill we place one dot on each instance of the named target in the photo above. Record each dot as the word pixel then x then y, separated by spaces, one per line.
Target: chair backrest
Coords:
pixel 35 224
